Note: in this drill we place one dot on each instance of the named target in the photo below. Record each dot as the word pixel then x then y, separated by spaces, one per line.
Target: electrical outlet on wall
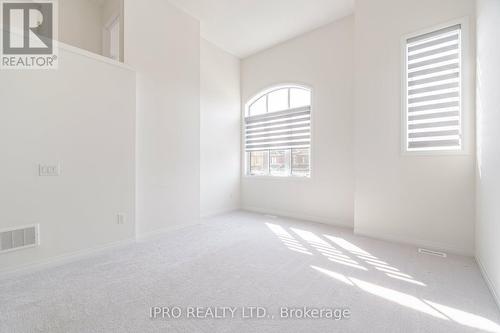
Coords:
pixel 49 170
pixel 120 219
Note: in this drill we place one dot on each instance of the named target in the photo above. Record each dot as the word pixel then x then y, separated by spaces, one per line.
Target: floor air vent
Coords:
pixel 19 238
pixel 432 253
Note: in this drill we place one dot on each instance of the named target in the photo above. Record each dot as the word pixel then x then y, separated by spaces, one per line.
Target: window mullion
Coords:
pixel 269 162
pixel 289 106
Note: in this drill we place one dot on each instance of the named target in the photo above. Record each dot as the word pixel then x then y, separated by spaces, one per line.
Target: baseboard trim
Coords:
pixel 299 216
pixel 219 212
pixel 81 254
pixel 413 242
pixel 62 259
pixel 489 282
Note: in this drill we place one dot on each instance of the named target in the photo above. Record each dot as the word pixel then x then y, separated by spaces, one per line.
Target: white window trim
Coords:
pixel 246 107
pixel 466 76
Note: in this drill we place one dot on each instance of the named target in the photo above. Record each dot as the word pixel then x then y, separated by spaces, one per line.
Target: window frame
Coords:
pixel 465 88
pixel 245 109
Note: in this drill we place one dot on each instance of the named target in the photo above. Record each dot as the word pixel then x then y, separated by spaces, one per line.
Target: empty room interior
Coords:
pixel 250 166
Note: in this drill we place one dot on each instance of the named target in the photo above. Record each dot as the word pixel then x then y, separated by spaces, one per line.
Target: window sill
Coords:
pixel 278 178
pixel 435 153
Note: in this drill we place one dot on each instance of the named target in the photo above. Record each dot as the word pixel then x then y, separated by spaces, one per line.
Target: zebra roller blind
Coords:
pixel 433 90
pixel 275 130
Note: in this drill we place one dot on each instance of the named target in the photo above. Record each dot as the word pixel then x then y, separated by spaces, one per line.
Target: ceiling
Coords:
pixel 245 27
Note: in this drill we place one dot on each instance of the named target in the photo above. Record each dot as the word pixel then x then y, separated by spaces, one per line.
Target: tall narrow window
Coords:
pixel 433 91
pixel 278 133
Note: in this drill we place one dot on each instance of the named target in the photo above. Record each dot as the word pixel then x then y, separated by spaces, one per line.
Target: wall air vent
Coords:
pixel 432 253
pixel 18 238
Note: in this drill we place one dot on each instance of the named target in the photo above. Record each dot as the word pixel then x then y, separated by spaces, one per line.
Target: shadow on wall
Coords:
pixel 93 25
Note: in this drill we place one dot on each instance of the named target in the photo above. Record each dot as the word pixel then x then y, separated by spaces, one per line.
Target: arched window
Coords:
pixel 278 132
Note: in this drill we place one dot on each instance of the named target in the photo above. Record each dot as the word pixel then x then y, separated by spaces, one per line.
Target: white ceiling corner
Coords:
pixel 245 27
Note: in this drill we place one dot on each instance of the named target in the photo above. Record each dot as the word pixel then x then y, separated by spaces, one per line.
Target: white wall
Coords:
pixel 427 200
pixel 80 24
pixel 488 141
pixel 219 131
pixel 163 45
pixel 322 59
pixel 81 116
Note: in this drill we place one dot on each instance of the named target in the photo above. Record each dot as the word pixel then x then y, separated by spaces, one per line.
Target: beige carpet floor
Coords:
pixel 243 260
